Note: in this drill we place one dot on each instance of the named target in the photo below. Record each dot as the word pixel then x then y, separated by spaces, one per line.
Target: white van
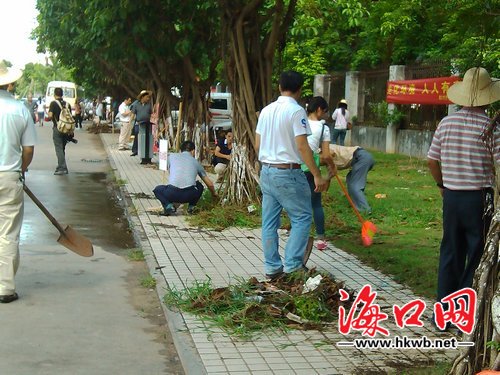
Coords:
pixel 221 108
pixel 69 93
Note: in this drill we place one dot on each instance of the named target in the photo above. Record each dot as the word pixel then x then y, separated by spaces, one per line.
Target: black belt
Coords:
pixel 283 165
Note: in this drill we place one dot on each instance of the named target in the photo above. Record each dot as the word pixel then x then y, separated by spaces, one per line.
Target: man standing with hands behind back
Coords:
pixel 17 140
pixel 281 141
pixel 463 167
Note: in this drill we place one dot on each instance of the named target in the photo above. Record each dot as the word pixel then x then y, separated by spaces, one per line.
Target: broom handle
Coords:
pixel 44 210
pixel 349 199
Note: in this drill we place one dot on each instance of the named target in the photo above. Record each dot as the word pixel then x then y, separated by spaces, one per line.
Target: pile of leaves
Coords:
pixel 251 307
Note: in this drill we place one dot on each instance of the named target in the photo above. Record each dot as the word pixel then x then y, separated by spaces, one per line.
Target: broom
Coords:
pixel 368 229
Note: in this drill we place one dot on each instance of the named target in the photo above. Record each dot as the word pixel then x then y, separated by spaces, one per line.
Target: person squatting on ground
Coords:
pixel 281 142
pixel 341 123
pixel 183 187
pixel 463 167
pixel 18 137
pixel 142 111
pixel 124 116
pixel 60 139
pixel 319 140
pixel 361 162
pixel 222 155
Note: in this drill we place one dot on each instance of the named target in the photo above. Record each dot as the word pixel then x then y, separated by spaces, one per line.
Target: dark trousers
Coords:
pixel 135 132
pixel 60 141
pixel 78 121
pixel 167 194
pixel 465 226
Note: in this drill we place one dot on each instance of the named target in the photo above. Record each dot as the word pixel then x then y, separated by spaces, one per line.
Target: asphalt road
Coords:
pixel 80 315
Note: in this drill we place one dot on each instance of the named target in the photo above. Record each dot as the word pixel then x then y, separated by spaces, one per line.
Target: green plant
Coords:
pixel 148 282
pixel 493 344
pixel 136 255
pixel 385 117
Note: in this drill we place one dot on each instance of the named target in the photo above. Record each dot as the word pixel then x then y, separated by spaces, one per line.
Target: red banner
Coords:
pixel 420 91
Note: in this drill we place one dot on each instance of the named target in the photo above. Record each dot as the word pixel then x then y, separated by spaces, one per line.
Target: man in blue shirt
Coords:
pixel 183 187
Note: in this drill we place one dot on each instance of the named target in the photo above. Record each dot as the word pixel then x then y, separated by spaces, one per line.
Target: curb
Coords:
pixel 186 349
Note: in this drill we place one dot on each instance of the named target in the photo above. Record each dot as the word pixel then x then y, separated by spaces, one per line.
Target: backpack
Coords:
pixel 66 123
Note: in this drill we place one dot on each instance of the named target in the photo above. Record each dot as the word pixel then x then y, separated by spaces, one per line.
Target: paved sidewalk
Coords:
pixel 179 254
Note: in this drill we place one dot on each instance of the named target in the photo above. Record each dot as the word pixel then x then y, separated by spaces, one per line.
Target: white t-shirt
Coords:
pixel 124 112
pixel 279 123
pixel 40 107
pixel 16 130
pixel 314 138
pixel 340 120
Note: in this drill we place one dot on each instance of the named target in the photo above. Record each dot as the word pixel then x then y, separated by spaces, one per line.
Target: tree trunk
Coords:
pixel 249 67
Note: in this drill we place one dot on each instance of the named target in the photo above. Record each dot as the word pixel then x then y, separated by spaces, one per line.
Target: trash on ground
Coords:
pixel 312 283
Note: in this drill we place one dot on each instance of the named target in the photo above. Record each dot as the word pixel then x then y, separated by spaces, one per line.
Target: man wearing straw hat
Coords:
pixel 462 165
pixel 17 135
pixel 143 141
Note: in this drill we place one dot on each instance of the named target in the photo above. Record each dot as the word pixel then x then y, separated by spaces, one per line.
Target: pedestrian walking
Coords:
pixel 341 123
pixel 78 115
pixel 60 139
pixel 462 166
pixel 17 135
pixel 40 109
pixel 31 106
pixel 281 141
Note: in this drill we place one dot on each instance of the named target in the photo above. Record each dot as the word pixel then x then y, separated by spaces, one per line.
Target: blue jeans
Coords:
pixel 284 189
pixel 362 163
pixel 340 135
pixel 317 207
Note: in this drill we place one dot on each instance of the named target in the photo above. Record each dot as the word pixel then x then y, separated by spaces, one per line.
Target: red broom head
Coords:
pixel 368 230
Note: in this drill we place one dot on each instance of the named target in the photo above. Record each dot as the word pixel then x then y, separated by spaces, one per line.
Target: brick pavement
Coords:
pixel 179 254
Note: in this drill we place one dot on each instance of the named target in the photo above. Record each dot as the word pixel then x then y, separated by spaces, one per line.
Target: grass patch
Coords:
pixel 249 308
pixel 148 282
pixel 136 255
pixel 409 221
pixel 218 217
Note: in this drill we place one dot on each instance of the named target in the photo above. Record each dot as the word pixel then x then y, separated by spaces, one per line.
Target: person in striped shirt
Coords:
pixel 462 164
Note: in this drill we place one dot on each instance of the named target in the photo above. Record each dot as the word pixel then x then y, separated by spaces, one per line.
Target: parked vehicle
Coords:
pixel 69 92
pixel 221 108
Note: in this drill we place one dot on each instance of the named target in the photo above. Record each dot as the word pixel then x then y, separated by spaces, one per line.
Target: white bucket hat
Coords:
pixel 476 89
pixel 9 75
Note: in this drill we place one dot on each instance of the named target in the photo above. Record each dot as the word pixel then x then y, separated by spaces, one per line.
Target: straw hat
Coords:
pixel 142 93
pixel 476 89
pixel 9 75
pixel 343 101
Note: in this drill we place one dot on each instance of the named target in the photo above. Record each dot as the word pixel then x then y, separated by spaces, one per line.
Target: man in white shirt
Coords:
pixel 17 135
pixel 124 115
pixel 281 140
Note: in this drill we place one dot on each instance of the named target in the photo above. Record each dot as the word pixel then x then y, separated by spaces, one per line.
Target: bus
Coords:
pixel 69 93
